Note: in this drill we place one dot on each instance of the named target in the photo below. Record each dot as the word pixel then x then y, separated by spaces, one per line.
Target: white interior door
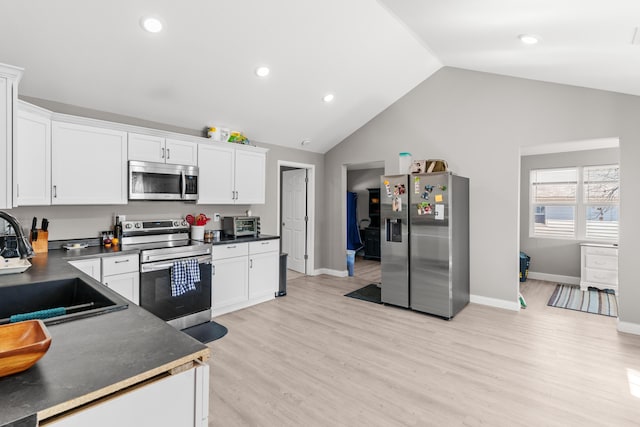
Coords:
pixel 294 212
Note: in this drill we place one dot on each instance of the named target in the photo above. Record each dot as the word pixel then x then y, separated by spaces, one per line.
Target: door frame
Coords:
pixel 311 206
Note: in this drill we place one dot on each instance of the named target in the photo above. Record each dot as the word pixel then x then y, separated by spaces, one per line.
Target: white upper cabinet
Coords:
pixel 231 176
pixel 216 174
pixel 32 159
pixel 250 177
pixel 9 78
pixel 162 150
pixel 88 165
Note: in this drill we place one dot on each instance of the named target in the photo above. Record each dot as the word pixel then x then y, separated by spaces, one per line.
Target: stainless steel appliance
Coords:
pixel 425 242
pixel 161 244
pixel 240 226
pixel 159 181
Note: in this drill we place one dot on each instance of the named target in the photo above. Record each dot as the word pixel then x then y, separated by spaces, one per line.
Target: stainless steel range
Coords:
pixel 163 244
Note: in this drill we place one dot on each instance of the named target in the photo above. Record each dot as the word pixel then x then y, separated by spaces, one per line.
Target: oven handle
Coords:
pixel 156 266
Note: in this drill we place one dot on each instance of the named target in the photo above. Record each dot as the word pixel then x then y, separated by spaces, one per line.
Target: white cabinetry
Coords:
pixel 9 78
pixel 231 175
pixel 162 150
pixel 599 266
pixel 120 273
pixel 32 157
pixel 89 266
pixel 88 165
pixel 175 400
pixel 264 260
pixel 244 274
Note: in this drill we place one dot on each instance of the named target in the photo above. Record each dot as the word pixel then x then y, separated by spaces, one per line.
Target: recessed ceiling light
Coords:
pixel 152 25
pixel 529 38
pixel 262 71
pixel 328 97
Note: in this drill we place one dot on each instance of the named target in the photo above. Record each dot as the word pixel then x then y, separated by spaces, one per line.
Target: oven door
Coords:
pixel 181 311
pixel 158 181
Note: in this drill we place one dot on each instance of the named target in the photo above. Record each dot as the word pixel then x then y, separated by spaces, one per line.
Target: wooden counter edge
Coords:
pixel 171 368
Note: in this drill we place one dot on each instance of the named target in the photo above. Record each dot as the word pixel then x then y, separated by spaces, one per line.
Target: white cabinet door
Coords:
pixel 127 285
pixel 216 174
pixel 170 401
pixel 32 160
pixel 88 166
pixel 146 148
pixel 230 283
pixel 5 144
pixel 89 266
pixel 250 177
pixel 263 275
pixel 181 152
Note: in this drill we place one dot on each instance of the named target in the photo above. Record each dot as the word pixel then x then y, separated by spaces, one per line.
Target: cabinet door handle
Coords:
pixel 213 270
pixel 122 260
pixel 231 247
pixel 168 154
pixel 266 243
pixel 251 263
pixel 162 155
pixel 55 191
pixel 18 190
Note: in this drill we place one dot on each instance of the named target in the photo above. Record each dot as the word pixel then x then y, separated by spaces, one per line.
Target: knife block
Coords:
pixel 42 244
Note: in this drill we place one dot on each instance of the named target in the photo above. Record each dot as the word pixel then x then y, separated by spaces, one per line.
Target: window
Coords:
pixel 575 203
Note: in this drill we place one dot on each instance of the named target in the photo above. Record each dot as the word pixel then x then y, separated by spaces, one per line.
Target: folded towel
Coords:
pixel 184 276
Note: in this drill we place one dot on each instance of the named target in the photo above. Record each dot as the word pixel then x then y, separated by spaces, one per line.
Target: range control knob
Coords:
pixel 176 223
pixel 127 225
pixel 138 225
pixel 183 223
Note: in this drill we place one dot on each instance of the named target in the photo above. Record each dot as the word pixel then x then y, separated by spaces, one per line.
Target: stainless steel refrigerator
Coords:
pixel 425 242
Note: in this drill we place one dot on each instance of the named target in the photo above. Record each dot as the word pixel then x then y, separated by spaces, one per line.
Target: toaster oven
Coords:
pixel 240 226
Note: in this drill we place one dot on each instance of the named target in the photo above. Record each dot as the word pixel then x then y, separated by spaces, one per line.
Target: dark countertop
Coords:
pixel 91 357
pixel 226 240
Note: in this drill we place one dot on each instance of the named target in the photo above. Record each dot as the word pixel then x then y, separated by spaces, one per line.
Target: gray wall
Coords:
pixel 555 256
pixel 478 122
pixel 358 181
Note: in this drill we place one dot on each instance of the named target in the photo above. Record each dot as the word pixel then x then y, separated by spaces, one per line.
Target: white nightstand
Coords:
pixel 599 266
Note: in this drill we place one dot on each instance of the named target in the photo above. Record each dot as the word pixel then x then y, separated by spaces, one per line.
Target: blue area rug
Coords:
pixel 593 300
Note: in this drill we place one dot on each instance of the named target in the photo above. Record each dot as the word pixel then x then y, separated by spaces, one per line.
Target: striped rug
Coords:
pixel 593 300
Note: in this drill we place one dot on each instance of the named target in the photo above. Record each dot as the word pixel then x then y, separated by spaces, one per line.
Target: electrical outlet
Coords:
pixel 216 217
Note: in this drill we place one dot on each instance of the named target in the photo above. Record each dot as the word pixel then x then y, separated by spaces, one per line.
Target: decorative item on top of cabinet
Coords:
pixel 599 266
pixel 231 176
pixel 9 78
pixel 158 149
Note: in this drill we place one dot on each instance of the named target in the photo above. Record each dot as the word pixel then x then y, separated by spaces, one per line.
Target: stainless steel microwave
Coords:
pixel 159 181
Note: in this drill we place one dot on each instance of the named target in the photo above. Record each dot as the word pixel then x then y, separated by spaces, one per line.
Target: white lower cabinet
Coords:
pixel 89 266
pixel 175 400
pixel 599 266
pixel 121 274
pixel 244 274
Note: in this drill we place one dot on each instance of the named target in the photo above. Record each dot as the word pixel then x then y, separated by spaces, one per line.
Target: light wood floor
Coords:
pixel 317 358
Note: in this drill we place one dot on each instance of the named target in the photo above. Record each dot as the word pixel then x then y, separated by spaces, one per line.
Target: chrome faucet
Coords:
pixel 24 247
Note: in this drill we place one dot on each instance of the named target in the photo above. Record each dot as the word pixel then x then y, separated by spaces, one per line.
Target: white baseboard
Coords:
pixel 330 272
pixel 569 280
pixel 629 328
pixel 493 302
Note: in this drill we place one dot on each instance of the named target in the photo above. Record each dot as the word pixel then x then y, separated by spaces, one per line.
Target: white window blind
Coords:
pixel 575 203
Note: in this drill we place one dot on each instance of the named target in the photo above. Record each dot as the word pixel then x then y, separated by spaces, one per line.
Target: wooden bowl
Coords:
pixel 22 344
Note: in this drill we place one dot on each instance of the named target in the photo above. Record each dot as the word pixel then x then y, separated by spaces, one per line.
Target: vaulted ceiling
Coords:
pixel 200 70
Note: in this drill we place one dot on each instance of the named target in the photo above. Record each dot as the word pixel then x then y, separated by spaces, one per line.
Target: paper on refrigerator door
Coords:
pixel 439 213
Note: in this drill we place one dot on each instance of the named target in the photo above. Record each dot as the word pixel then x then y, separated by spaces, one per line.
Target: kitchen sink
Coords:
pixel 79 298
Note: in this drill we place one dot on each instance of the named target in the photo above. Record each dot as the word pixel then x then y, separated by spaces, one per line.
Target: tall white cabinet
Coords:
pixel 88 165
pixel 231 175
pixel 32 157
pixel 9 79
